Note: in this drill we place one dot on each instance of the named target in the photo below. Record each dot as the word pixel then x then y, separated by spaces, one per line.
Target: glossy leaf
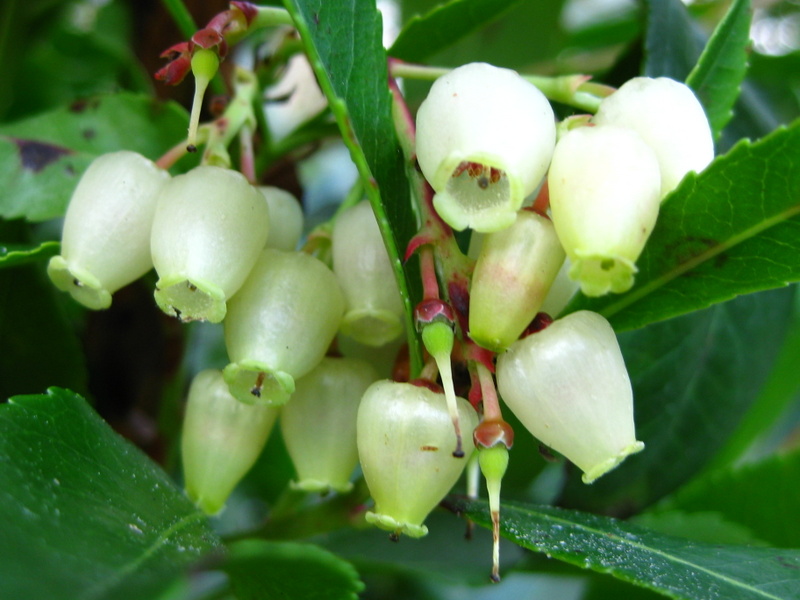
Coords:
pixel 732 230
pixel 693 378
pixel 286 570
pixel 343 42
pixel 675 567
pixel 424 35
pixel 718 75
pixel 86 515
pixel 673 40
pixel 12 255
pixel 763 497
pixel 42 157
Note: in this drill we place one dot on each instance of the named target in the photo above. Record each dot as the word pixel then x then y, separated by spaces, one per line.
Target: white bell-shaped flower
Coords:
pixel 374 313
pixel 285 218
pixel 561 291
pixel 222 438
pixel 604 197
pixel 106 238
pixel 513 274
pixel 405 443
pixel 280 325
pixel 669 117
pixel 569 387
pixel 209 228
pixel 484 140
pixel 319 423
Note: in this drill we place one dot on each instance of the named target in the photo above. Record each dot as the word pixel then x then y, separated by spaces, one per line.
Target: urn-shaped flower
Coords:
pixel 568 386
pixel 484 140
pixel 210 226
pixel 222 439
pixel 280 325
pixel 319 423
pixel 604 197
pixel 669 118
pixel 374 309
pixel 285 218
pixel 513 274
pixel 106 238
pixel 405 443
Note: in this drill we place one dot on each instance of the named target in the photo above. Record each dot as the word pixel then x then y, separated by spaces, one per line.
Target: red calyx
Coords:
pixel 492 433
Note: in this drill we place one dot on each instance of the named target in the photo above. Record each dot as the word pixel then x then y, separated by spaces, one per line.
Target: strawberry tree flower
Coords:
pixel 280 325
pixel 319 423
pixel 669 118
pixel 221 441
pixel 374 313
pixel 285 218
pixel 569 387
pixel 513 274
pixel 209 228
pixel 405 439
pixel 604 196
pixel 485 137
pixel 106 237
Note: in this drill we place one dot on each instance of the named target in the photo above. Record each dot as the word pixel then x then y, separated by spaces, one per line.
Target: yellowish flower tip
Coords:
pixel 494 462
pixel 438 339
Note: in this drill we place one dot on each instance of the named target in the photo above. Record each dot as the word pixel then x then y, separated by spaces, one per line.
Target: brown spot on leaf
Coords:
pixel 429 448
pixel 35 156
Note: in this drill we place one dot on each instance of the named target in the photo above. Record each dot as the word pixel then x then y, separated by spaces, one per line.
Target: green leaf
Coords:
pixel 693 379
pixel 673 41
pixel 12 255
pixel 732 230
pixel 42 158
pixel 39 346
pixel 706 526
pixel 286 571
pixel 762 497
pixel 675 567
pixel 780 390
pixel 424 35
pixel 718 75
pixel 85 515
pixel 343 42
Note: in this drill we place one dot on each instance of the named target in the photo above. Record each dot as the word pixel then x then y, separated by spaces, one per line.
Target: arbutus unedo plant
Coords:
pixel 380 287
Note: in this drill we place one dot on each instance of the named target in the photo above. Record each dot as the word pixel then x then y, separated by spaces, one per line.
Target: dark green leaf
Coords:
pixel 85 515
pixel 762 497
pixel 39 346
pixel 12 255
pixel 780 390
pixel 675 567
pixel 260 569
pixel 693 379
pixel 42 158
pixel 424 35
pixel 343 42
pixel 719 73
pixel 673 40
pixel 733 229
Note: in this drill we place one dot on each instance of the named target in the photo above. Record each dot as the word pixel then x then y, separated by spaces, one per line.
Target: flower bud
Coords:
pixel 209 228
pixel 319 423
pixel 106 239
pixel 514 271
pixel 285 218
pixel 484 139
pixel 604 196
pixel 568 386
pixel 669 118
pixel 405 439
pixel 280 325
pixel 374 308
pixel 222 438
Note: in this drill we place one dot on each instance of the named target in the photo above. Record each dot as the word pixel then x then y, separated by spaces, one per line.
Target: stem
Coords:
pixel 574 90
pixel 427 266
pixel 246 159
pixel 491 404
pixel 270 16
pixel 182 17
